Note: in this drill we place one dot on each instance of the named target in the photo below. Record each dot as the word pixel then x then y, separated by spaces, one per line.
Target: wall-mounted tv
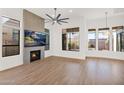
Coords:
pixel 32 38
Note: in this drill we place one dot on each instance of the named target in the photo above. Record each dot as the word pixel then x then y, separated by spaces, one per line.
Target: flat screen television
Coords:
pixel 32 38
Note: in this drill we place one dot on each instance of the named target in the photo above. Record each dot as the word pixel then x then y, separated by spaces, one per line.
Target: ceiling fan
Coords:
pixel 56 18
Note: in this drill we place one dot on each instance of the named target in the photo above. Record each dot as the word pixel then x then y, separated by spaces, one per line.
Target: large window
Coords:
pixel 10 37
pixel 118 38
pixel 70 39
pixel 106 39
pixel 103 39
pixel 91 39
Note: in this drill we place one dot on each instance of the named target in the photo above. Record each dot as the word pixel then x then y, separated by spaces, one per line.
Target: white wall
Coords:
pixel 101 22
pixel 49 52
pixel 56 39
pixel 117 20
pixel 8 62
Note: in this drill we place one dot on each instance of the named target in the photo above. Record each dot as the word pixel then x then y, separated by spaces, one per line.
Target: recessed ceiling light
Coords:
pixel 70 11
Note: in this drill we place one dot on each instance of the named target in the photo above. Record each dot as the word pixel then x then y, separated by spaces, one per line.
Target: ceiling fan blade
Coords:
pixel 63 19
pixel 56 19
pixel 58 16
pixel 59 23
pixel 49 16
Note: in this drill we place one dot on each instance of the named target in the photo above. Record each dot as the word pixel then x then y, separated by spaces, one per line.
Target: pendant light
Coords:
pixel 106 15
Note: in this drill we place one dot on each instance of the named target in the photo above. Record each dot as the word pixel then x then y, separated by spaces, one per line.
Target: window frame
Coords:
pixel 66 39
pixel 104 31
pixel 14 27
pixel 89 31
pixel 110 37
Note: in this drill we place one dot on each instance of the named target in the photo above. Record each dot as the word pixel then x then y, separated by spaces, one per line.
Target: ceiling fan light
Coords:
pixel 56 18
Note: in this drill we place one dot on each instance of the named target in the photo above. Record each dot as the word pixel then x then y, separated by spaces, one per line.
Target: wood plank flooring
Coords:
pixel 66 71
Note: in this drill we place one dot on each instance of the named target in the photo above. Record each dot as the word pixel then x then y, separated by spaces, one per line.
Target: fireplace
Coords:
pixel 35 55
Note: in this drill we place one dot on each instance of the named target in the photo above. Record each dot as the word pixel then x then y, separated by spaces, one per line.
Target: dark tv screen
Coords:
pixel 33 38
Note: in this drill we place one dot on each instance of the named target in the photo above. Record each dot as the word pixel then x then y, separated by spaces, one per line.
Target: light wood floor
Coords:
pixel 65 71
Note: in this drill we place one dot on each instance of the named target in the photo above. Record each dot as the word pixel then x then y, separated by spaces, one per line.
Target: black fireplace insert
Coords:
pixel 35 55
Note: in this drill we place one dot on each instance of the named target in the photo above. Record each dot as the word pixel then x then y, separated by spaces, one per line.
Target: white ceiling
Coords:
pixel 76 12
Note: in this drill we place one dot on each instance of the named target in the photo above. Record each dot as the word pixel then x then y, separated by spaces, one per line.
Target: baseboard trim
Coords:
pixel 104 58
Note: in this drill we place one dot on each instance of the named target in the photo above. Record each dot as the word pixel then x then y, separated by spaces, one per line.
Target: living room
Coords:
pixel 88 41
